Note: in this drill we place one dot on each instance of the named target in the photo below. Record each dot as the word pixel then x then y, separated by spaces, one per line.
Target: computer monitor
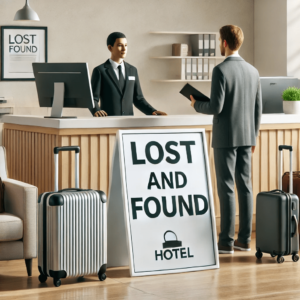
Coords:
pixel 271 89
pixel 63 85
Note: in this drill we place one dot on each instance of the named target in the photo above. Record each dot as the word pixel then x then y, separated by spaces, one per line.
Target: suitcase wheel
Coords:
pixel 295 257
pixel 42 278
pixel 258 254
pixel 102 276
pixel 56 282
pixel 273 255
pixel 280 259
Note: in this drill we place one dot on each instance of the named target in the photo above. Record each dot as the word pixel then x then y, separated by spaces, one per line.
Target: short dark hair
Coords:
pixel 233 35
pixel 113 37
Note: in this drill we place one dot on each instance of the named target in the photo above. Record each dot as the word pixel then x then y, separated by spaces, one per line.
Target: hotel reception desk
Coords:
pixel 29 143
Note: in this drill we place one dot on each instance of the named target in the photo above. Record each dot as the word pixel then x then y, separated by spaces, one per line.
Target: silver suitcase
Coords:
pixel 72 230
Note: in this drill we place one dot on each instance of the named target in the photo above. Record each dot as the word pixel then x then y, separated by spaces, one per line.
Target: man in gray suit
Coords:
pixel 236 105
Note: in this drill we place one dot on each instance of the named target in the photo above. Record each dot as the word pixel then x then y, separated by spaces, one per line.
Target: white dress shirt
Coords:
pixel 234 55
pixel 115 67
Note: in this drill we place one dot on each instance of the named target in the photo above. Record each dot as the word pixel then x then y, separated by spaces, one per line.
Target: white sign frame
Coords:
pixel 20 47
pixel 120 248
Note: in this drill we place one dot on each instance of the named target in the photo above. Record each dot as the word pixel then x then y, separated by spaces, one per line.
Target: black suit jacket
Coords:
pixel 105 86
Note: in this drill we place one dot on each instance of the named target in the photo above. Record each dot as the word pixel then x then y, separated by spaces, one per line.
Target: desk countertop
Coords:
pixel 131 121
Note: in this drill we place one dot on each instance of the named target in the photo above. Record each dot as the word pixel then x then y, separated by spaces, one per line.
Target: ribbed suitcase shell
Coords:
pixel 76 234
pixel 274 223
pixel 277 215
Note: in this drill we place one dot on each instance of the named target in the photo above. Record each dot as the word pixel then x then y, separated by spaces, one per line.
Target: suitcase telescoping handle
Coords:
pixel 290 148
pixel 66 148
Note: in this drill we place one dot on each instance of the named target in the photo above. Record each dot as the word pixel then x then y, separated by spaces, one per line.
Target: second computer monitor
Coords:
pixel 271 89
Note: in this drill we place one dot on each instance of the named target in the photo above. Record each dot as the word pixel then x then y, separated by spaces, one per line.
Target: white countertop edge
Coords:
pixel 132 122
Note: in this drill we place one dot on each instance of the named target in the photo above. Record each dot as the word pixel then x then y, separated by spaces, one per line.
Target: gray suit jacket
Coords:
pixel 235 102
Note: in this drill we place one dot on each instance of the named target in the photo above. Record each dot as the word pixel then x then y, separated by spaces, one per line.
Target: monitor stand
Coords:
pixel 58 102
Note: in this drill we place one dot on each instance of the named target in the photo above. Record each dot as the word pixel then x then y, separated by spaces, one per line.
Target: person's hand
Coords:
pixel 253 149
pixel 157 112
pixel 100 113
pixel 193 101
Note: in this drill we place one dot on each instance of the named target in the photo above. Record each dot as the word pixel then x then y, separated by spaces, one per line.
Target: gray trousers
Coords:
pixel 234 165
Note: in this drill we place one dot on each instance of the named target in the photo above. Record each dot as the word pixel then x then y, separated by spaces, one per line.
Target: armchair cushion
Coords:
pixel 20 199
pixel 11 250
pixel 11 227
pixel 1 196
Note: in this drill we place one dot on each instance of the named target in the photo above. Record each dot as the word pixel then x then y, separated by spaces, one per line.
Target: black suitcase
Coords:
pixel 277 215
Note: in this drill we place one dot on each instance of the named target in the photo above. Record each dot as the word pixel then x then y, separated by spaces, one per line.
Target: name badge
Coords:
pixel 131 77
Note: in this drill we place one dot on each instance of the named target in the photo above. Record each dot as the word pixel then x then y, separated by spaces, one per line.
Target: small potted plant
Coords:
pixel 291 100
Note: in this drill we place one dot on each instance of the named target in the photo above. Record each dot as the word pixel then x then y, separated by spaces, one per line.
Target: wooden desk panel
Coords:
pixel 30 156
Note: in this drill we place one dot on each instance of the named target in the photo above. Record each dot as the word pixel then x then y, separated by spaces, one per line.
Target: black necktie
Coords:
pixel 121 79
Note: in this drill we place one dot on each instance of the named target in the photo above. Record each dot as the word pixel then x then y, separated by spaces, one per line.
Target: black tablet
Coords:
pixel 188 90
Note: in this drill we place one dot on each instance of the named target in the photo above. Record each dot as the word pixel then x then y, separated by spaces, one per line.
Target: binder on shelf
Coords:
pixel 212 45
pixel 194 68
pixel 205 68
pixel 211 65
pixel 206 45
pixel 179 50
pixel 182 69
pixel 197 44
pixel 188 73
pixel 3 100
pixel 200 69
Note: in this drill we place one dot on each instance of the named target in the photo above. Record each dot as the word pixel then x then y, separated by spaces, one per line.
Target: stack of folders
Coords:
pixel 199 68
pixel 196 68
pixel 3 99
pixel 203 44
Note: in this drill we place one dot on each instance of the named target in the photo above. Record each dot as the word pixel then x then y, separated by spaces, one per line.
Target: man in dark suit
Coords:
pixel 236 104
pixel 116 83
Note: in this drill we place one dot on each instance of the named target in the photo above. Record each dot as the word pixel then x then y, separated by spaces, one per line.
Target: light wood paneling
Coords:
pixel 74 142
pixel 264 165
pixel 30 157
pixel 84 153
pixel 94 162
pixel 64 165
pixel 272 146
pixel 104 163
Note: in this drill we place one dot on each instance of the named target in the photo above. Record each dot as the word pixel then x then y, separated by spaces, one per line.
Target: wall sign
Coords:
pixel 165 222
pixel 20 47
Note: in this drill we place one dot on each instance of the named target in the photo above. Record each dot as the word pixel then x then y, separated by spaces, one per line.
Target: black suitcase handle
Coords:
pixel 66 148
pixel 56 150
pixel 281 147
pixel 296 230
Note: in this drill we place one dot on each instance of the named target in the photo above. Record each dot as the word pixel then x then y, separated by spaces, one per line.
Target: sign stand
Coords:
pixel 116 231
pixel 160 210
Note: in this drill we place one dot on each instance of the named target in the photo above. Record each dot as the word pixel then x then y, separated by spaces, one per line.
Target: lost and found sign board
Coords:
pixel 160 210
pixel 20 47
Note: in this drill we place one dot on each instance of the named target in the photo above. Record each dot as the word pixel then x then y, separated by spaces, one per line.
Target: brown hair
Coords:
pixel 233 35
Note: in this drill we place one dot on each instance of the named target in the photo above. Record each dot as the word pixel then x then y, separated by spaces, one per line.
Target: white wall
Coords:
pixel 270 37
pixel 78 31
pixel 293 38
pixel 276 37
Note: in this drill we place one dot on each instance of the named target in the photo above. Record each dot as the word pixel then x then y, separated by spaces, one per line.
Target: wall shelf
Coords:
pixel 6 108
pixel 179 80
pixel 182 32
pixel 179 57
pixel 212 60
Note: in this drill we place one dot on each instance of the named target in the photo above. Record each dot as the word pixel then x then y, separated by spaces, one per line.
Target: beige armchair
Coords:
pixel 18 225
